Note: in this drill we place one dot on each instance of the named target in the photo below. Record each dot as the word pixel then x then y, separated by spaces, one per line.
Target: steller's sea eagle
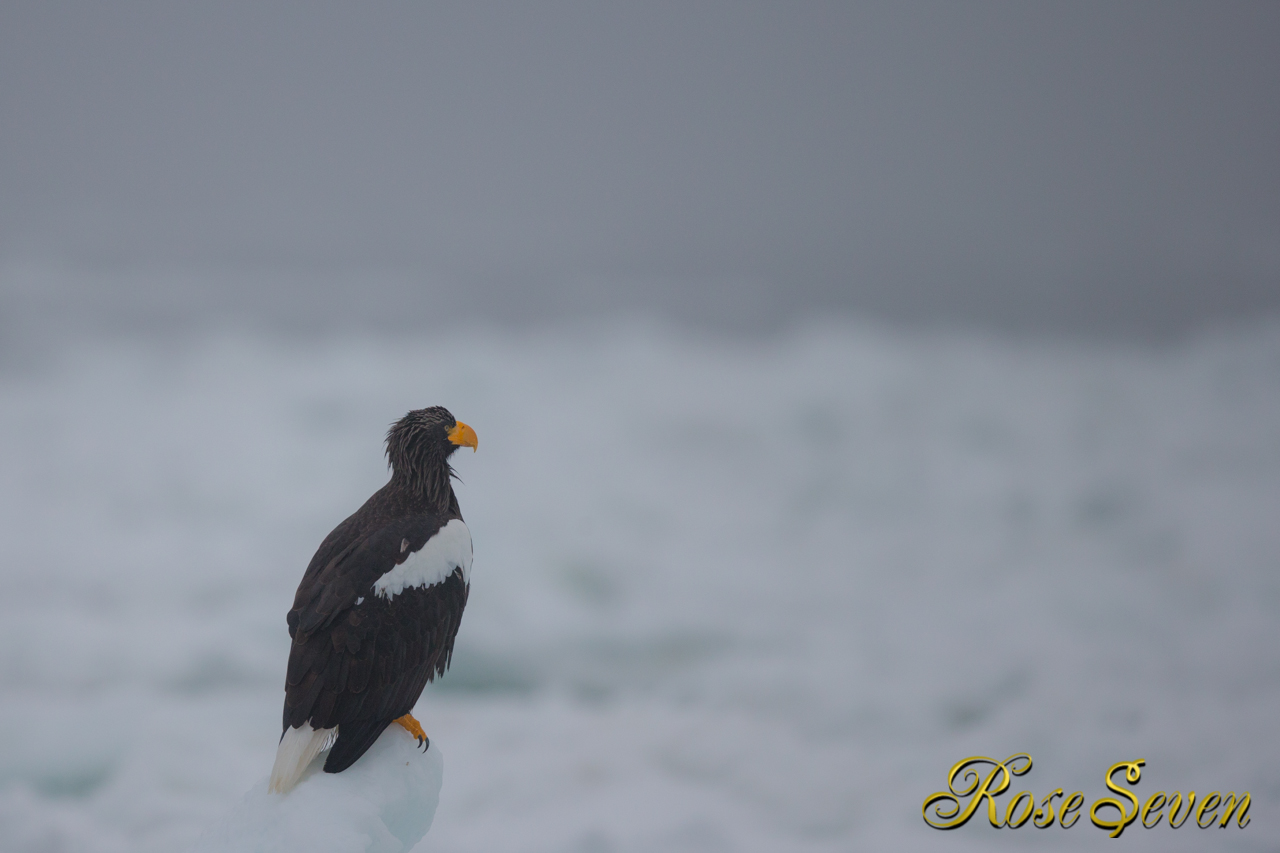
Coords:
pixel 377 610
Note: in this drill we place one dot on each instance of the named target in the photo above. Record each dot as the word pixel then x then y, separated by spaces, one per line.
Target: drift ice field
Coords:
pixel 726 596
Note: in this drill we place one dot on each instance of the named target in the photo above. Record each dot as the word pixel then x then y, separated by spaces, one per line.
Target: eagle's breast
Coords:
pixel 446 551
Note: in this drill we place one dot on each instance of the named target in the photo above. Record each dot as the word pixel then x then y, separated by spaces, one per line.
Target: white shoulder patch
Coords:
pixel 448 549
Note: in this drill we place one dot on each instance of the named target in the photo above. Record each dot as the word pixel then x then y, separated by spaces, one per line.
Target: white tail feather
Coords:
pixel 297 748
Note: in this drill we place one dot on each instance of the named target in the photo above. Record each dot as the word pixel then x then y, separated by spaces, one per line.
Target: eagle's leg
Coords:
pixel 414 728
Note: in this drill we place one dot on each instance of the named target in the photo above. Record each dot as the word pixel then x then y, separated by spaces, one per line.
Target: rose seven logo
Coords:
pixel 967 789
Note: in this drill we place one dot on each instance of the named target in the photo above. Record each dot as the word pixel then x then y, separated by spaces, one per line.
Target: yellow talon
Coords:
pixel 414 728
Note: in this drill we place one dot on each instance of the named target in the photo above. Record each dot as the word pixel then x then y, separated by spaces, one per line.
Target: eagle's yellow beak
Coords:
pixel 463 436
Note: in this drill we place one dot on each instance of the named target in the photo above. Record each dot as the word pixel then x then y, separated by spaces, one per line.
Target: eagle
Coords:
pixel 378 608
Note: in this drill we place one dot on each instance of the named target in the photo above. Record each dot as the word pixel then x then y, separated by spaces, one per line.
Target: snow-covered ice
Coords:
pixel 726 595
pixel 383 803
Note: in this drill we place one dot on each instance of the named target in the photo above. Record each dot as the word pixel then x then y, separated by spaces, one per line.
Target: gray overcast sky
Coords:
pixel 1085 167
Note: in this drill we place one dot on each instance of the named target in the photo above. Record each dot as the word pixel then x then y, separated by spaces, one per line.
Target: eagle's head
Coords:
pixel 420 443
